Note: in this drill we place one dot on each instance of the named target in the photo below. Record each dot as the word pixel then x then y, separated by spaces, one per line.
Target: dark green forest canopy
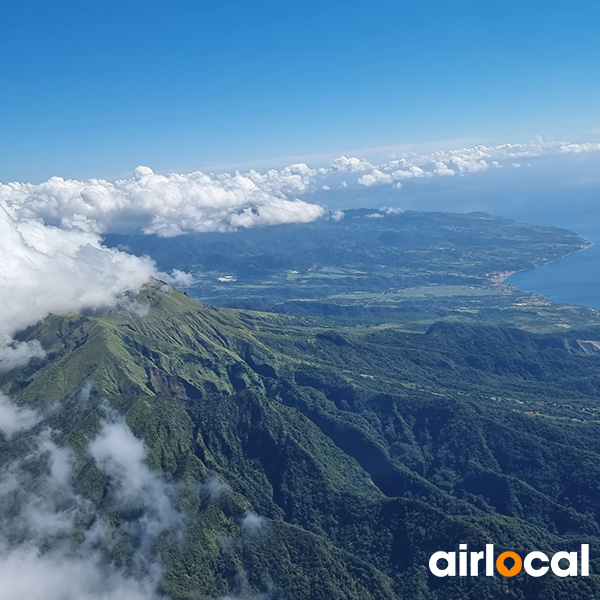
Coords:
pixel 361 451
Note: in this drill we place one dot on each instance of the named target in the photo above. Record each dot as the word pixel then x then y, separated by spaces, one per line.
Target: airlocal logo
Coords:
pixel 535 564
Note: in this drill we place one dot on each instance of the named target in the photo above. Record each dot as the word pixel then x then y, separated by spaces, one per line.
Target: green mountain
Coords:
pixel 310 462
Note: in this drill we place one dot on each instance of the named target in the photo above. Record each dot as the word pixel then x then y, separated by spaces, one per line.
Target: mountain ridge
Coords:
pixel 379 446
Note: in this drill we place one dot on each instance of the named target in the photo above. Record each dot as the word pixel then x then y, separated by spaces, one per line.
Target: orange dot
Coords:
pixel 514 570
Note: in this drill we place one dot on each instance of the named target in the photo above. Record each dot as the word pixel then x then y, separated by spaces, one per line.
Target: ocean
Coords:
pixel 574 279
pixel 562 193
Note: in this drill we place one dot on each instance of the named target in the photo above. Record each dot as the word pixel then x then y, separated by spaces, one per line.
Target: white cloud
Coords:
pixel 458 161
pixel 374 177
pixel 14 418
pixel 27 572
pixel 441 168
pixel 178 278
pixel 344 164
pixel 168 205
pixel 14 354
pixel 40 511
pixel 579 148
pixel 253 524
pixel 214 487
pixel 46 269
pixel 175 204
pixel 392 210
pixel 122 456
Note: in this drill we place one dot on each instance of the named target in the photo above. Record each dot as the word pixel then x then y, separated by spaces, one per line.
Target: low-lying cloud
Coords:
pixel 55 545
pixel 13 418
pixel 122 457
pixel 47 269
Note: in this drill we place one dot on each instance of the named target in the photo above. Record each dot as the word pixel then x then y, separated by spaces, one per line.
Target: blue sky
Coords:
pixel 96 88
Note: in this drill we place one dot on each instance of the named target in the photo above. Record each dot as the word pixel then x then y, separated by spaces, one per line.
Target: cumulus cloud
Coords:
pixel 459 161
pixel 441 168
pixel 374 177
pixel 198 202
pixel 168 205
pixel 176 204
pixel 344 164
pixel 14 354
pixel 46 269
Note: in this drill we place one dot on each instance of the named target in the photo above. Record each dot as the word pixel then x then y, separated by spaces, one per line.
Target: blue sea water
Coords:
pixel 574 279
pixel 561 193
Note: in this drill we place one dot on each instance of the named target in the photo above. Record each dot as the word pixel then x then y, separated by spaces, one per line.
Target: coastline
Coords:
pixel 501 277
pixel 569 286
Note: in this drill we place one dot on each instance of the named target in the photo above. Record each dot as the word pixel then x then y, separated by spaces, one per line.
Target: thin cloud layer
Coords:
pixel 121 456
pixel 14 419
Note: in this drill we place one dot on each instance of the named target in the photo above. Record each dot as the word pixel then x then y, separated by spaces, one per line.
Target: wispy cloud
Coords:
pixel 55 545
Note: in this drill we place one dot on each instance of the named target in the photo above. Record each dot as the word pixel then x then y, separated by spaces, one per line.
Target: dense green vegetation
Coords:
pixel 368 257
pixel 360 450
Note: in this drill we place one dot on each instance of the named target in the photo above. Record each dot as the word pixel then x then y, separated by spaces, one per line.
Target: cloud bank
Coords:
pixel 168 205
pixel 176 204
pixel 460 161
